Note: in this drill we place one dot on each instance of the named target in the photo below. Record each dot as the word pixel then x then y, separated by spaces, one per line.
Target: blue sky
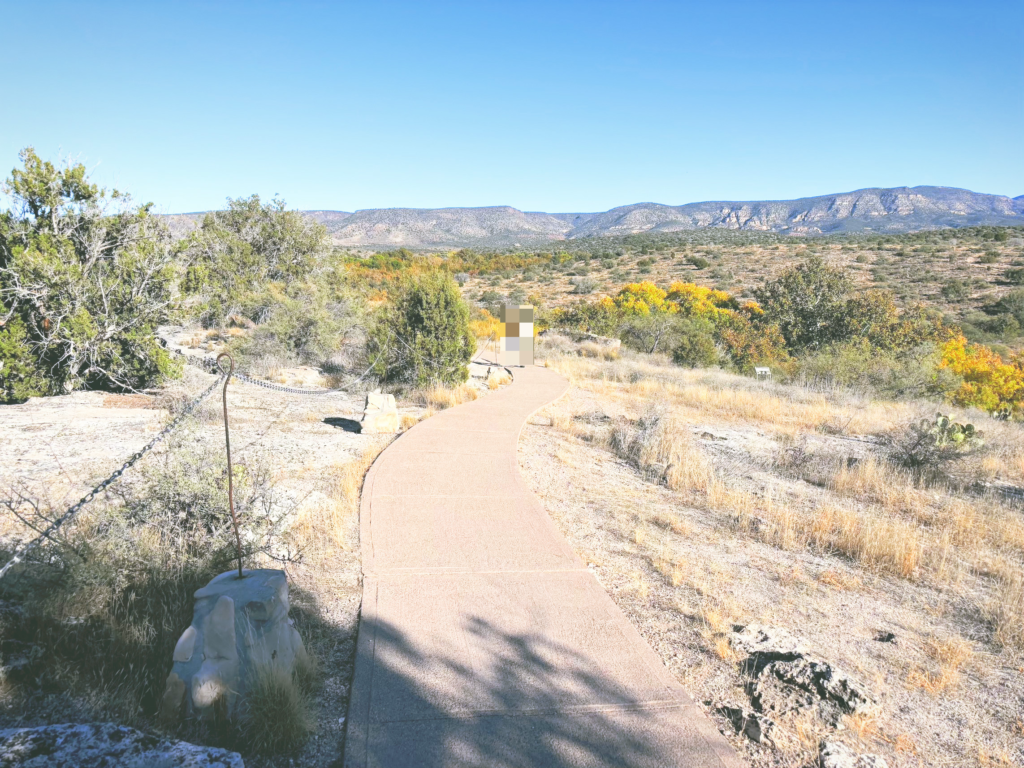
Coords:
pixel 554 106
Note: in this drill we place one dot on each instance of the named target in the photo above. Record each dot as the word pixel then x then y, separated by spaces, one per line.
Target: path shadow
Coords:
pixel 349 425
pixel 534 703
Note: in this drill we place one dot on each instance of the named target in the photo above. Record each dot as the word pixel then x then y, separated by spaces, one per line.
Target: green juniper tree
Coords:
pixel 84 280
pixel 422 337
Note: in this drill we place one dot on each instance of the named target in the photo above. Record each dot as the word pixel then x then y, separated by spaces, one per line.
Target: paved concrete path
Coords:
pixel 483 640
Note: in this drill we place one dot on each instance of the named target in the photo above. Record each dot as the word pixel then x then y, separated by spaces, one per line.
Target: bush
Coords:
pixel 955 290
pixel 422 337
pixel 82 287
pixel 698 262
pixel 20 378
pixel 583 285
pixel 929 444
pixel 236 252
pixel 102 613
pixel 696 347
pixel 857 364
pixel 304 326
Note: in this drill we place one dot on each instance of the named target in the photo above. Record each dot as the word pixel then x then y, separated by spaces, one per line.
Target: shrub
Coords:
pixel 82 287
pixel 698 262
pixel 278 715
pixel 422 337
pixel 696 347
pixel 105 608
pixel 583 285
pixel 20 378
pixel 931 443
pixel 236 252
pixel 806 302
pixel 989 382
pixel 955 290
pixel 304 325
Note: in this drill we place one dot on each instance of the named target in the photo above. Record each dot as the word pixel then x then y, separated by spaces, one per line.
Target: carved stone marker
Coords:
pixel 380 414
pixel 238 627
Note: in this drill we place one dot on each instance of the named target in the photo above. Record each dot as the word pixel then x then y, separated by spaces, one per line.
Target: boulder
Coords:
pixel 776 655
pixel 380 414
pixel 104 745
pixel 833 754
pixel 239 626
pixel 755 726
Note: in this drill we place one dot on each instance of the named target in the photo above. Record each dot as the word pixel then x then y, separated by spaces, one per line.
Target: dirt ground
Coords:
pixel 57 448
pixel 687 577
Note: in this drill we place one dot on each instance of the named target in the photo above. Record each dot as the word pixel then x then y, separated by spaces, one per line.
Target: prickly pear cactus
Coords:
pixel 949 433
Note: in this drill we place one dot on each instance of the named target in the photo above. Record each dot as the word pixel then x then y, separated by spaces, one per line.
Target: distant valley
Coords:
pixel 898 209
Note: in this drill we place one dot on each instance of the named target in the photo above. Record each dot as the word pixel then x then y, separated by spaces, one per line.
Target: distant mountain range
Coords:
pixel 900 209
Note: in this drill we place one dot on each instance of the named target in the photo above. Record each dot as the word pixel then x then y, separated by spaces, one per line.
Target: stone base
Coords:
pixel 238 627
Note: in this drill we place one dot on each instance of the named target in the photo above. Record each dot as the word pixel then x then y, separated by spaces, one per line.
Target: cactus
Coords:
pixel 949 433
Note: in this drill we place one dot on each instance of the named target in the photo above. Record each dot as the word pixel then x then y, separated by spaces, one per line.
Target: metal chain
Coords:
pixel 211 367
pixel 281 388
pixel 22 551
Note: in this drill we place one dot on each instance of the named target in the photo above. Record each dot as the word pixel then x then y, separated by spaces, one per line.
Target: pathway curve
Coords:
pixel 483 639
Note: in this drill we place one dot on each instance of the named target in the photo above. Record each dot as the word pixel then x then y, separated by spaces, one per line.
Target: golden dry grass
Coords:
pixel 871 512
pixel 322 528
pixel 498 378
pixel 440 398
pixel 949 656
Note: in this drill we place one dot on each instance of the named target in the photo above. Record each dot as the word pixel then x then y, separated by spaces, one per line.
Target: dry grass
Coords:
pixel 320 528
pixel 912 584
pixel 278 714
pixel 949 656
pixel 1005 609
pixel 876 514
pixel 498 378
pixel 440 398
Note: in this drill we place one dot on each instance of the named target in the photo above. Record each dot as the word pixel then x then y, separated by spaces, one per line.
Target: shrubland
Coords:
pixel 834 512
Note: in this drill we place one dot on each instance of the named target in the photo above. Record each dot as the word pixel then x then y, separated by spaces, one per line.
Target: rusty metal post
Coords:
pixel 227 443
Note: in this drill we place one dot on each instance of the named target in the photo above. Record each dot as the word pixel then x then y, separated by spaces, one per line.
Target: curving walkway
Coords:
pixel 483 640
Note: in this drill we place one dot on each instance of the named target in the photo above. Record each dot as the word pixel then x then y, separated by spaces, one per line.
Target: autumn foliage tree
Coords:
pixel 988 381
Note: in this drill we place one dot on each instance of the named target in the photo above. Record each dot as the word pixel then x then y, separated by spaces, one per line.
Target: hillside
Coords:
pixel 901 209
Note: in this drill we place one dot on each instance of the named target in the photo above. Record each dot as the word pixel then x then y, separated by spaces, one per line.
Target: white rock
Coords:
pixel 241 625
pixel 380 414
pixel 834 754
pixel 105 745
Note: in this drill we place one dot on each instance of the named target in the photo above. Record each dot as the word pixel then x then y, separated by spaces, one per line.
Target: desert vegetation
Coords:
pixel 98 295
pixel 883 465
pixel 780 503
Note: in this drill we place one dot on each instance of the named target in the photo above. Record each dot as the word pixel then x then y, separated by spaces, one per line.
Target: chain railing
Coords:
pixel 209 366
pixel 22 551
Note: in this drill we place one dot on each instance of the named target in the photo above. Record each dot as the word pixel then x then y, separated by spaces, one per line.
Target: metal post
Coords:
pixel 227 443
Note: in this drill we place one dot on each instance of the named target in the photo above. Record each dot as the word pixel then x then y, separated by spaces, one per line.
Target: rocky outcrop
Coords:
pixel 898 209
pixel 833 754
pixel 104 745
pixel 380 415
pixel 784 675
pixel 239 627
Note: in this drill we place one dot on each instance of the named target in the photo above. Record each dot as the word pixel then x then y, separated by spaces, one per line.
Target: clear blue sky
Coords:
pixel 554 106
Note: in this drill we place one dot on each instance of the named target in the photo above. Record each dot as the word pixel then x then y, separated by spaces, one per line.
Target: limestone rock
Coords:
pixel 834 754
pixel 775 655
pixel 240 625
pixel 380 414
pixel 755 726
pixel 105 745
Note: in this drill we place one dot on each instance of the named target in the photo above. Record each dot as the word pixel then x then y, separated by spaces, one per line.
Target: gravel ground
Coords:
pixel 627 529
pixel 59 447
